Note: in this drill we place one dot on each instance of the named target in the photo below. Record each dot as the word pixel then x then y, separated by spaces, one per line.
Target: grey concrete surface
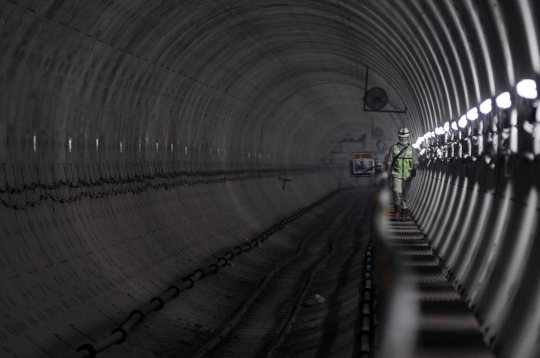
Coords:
pixel 139 138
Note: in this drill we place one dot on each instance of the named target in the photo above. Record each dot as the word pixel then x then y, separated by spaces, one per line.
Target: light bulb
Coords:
pixel 504 101
pixel 472 115
pixel 446 127
pixel 485 107
pixel 527 89
pixel 462 122
pixel 454 125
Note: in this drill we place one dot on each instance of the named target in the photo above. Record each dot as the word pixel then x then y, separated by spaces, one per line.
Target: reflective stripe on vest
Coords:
pixel 404 163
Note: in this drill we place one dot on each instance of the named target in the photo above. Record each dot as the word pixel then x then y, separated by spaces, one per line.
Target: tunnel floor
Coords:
pixel 265 303
pixel 297 295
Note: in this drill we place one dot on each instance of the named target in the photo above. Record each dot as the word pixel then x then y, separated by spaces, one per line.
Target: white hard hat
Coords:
pixel 404 132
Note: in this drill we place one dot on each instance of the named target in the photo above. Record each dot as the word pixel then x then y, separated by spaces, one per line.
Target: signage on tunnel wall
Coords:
pixel 363 164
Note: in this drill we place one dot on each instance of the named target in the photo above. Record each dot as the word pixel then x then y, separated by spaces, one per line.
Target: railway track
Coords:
pixel 260 326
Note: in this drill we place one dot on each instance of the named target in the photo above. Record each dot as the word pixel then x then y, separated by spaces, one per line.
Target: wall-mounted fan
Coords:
pixel 376 98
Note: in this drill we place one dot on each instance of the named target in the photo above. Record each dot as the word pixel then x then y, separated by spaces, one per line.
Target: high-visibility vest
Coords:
pixel 402 164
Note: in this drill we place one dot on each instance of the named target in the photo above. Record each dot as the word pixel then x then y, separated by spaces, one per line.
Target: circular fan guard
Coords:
pixel 376 98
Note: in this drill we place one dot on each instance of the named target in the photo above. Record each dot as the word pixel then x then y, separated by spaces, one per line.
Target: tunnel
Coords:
pixel 169 166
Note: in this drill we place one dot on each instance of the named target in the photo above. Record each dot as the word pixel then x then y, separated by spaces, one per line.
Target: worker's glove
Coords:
pixel 413 173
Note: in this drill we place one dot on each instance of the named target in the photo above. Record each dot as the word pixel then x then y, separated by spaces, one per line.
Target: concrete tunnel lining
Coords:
pixel 245 92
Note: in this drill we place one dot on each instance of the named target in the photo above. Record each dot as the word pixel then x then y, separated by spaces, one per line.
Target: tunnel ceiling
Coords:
pixel 143 138
pixel 271 77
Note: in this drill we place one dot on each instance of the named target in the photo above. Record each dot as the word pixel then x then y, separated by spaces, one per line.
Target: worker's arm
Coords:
pixel 390 160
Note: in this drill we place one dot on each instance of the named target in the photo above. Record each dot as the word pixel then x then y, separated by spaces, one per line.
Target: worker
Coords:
pixel 401 167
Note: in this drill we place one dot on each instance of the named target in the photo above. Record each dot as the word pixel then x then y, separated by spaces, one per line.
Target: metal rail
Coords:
pixel 229 326
pixel 287 328
pixel 299 298
pixel 388 321
pixel 120 333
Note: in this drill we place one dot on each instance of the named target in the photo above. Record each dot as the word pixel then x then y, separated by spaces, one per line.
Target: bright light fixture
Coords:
pixel 439 130
pixel 527 89
pixel 472 115
pixel 446 126
pixel 485 107
pixel 504 101
pixel 462 122
pixel 454 125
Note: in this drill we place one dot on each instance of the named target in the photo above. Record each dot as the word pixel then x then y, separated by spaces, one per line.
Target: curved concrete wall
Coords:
pixel 484 226
pixel 211 102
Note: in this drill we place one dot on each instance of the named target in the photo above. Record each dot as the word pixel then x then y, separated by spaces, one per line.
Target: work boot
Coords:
pixel 397 213
pixel 404 214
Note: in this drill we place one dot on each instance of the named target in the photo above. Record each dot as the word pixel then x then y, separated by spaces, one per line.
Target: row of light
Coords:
pixel 70 148
pixel 525 88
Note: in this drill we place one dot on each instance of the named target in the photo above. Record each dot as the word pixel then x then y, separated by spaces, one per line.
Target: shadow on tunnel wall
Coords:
pixel 483 222
pixel 140 138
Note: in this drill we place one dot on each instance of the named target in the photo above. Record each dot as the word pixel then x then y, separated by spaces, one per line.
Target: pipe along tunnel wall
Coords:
pixel 140 138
